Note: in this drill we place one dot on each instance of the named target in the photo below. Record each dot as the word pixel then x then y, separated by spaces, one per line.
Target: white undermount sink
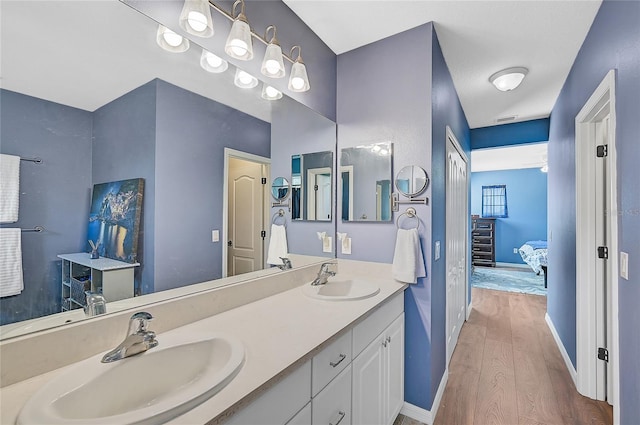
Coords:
pixel 342 290
pixel 153 387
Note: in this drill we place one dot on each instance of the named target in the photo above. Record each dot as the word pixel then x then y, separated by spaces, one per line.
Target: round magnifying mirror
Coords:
pixel 412 180
pixel 280 188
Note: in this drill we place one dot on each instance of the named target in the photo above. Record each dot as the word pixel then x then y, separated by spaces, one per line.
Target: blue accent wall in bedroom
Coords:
pixel 527 202
pixel 533 131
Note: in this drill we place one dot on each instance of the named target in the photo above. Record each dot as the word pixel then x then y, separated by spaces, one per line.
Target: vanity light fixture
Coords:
pixel 239 44
pixel 298 81
pixel 272 64
pixel 170 41
pixel 213 63
pixel 244 80
pixel 508 79
pixel 270 93
pixel 195 18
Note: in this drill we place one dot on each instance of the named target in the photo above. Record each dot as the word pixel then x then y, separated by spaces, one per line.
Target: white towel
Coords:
pixel 277 244
pixel 408 263
pixel 9 188
pixel 11 282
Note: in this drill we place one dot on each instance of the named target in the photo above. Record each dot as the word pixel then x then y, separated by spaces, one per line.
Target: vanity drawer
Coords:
pixel 333 405
pixel 367 330
pixel 328 363
pixel 303 417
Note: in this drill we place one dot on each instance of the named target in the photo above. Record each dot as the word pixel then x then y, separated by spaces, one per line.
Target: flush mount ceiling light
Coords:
pixel 213 63
pixel 239 44
pixel 272 64
pixel 298 81
pixel 270 93
pixel 244 80
pixel 508 79
pixel 196 18
pixel 170 41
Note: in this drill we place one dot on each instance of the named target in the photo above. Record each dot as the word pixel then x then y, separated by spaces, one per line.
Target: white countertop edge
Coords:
pixel 279 333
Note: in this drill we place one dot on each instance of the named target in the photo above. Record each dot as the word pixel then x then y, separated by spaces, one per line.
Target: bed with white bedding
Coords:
pixel 534 253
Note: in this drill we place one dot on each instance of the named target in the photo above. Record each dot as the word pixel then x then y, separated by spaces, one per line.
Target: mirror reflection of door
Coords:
pixel 245 244
pixel 319 194
pixel 347 189
pixel 383 200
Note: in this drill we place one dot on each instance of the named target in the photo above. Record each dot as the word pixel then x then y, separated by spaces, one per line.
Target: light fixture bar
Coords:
pixel 253 33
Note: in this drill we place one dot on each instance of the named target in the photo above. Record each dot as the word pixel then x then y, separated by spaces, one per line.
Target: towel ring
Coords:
pixel 278 214
pixel 411 213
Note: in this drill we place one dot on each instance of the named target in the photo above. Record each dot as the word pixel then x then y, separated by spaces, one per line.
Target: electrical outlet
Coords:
pixel 515 250
pixel 624 265
pixel 215 235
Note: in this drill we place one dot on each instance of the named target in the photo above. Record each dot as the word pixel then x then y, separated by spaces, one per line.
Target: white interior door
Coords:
pixel 456 241
pixel 319 194
pixel 245 245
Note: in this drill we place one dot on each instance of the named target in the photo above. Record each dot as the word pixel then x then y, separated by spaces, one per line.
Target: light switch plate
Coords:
pixel 436 253
pixel 215 236
pixel 326 244
pixel 624 265
pixel 346 246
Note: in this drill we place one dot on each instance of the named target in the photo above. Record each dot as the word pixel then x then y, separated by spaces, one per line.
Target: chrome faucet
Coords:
pixel 323 274
pixel 96 304
pixel 286 264
pixel 138 339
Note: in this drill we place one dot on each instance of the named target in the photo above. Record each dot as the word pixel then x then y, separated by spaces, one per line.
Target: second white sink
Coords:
pixel 152 387
pixel 342 290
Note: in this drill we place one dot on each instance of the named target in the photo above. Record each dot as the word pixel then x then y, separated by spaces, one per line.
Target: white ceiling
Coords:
pixel 478 38
pixel 532 155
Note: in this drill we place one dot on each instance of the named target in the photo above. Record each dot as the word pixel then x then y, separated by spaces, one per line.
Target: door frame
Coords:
pixel 311 176
pixel 349 170
pixel 266 162
pixel 586 344
pixel 450 136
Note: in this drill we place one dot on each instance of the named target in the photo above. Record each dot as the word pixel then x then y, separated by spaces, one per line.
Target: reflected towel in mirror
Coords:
pixel 277 244
pixel 9 188
pixel 11 282
pixel 408 262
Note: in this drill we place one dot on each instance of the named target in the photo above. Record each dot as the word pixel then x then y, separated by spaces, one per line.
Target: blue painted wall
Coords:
pixel 191 134
pixel 612 43
pixel 411 112
pixel 446 111
pixel 527 203
pixel 124 148
pixel 54 194
pixel 532 131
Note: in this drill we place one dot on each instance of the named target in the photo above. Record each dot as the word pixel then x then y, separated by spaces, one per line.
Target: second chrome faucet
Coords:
pixel 139 339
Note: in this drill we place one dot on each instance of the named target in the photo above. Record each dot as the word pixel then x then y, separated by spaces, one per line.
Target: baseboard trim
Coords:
pixel 422 415
pixel 516 265
pixel 563 352
pixel 469 308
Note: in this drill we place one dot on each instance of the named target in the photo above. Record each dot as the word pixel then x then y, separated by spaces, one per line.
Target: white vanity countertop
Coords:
pixel 277 332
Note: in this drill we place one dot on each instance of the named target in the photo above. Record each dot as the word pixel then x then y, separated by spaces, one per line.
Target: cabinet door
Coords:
pixel 368 383
pixel 394 370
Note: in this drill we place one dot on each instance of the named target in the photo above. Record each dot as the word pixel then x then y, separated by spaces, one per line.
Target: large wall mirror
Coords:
pixel 365 182
pixel 311 188
pixel 99 105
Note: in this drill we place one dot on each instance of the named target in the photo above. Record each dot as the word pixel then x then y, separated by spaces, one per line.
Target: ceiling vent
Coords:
pixel 506 119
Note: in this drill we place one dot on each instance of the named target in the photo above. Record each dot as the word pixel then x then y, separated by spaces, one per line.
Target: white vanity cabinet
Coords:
pixel 378 377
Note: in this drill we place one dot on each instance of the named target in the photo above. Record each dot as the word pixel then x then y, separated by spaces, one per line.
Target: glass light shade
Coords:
pixel 239 43
pixel 245 80
pixel 195 18
pixel 270 93
pixel 298 81
pixel 170 41
pixel 272 64
pixel 508 79
pixel 213 63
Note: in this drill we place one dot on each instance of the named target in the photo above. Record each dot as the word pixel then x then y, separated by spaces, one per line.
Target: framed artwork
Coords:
pixel 114 218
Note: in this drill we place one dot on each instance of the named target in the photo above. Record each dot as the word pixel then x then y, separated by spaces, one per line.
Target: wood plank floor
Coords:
pixel 507 369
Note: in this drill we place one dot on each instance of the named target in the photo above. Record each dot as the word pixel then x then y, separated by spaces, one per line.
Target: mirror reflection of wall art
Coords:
pixel 114 218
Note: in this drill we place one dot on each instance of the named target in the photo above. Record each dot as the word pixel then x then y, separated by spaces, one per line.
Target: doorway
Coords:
pixel 597 246
pixel 319 194
pixel 245 212
pixel 457 236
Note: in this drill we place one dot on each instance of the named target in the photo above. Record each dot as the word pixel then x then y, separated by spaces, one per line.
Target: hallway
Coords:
pixel 484 387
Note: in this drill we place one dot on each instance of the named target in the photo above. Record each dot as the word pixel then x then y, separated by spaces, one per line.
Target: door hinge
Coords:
pixel 603 252
pixel 603 354
pixel 230 243
pixel 601 151
pixel 264 180
pixel 263 234
pixel 315 187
